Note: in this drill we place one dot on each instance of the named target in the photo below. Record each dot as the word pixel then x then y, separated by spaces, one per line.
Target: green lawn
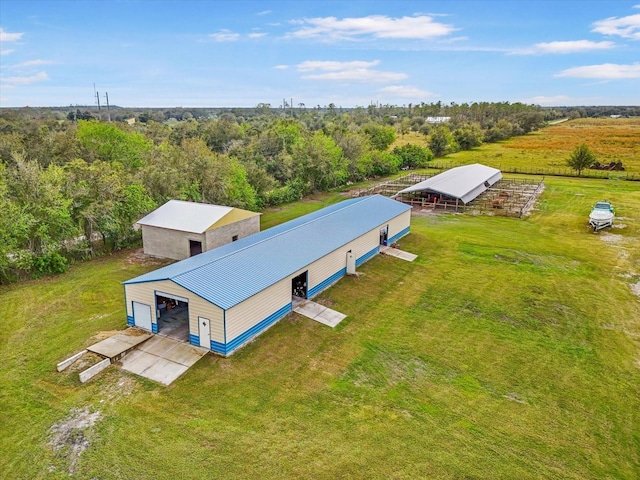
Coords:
pixel 508 349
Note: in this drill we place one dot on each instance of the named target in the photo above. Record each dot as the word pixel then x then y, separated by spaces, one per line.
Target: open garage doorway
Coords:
pixel 173 316
pixel 299 286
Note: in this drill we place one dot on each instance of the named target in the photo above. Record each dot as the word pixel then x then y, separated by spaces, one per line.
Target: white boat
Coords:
pixel 601 216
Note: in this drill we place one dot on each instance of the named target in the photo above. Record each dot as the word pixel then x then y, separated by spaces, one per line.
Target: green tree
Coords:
pixel 107 142
pixel 381 137
pixel 468 136
pixel 441 141
pixel 581 157
pixel 413 156
pixel 319 162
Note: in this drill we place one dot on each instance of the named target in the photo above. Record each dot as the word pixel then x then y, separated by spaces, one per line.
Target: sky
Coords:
pixel 219 53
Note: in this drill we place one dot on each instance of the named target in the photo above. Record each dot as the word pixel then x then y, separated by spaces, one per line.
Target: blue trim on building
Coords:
pixel 154 327
pixel 399 235
pixel 194 339
pixel 256 329
pixel 367 256
pixel 130 320
pixel 327 282
pixel 218 347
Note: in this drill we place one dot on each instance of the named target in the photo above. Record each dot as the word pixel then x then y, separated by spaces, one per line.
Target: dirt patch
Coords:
pixel 611 237
pixel 134 332
pixel 635 288
pixel 104 334
pixel 70 437
pixel 87 360
pixel 138 257
pixel 514 397
pixel 117 387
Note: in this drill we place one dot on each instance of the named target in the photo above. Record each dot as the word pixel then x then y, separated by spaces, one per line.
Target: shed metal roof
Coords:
pixel 230 274
pixel 465 182
pixel 189 216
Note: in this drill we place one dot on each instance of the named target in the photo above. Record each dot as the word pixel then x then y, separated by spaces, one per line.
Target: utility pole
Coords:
pixel 106 95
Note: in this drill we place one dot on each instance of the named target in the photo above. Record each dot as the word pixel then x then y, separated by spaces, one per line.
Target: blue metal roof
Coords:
pixel 230 274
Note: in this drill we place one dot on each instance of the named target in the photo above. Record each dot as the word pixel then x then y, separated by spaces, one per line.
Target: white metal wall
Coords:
pixel 252 311
pixel 198 307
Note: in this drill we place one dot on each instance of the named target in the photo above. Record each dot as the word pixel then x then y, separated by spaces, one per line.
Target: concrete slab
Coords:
pixel 157 345
pixel 396 252
pixel 137 361
pixel 119 343
pixel 185 354
pixel 164 371
pixel 162 359
pixel 319 313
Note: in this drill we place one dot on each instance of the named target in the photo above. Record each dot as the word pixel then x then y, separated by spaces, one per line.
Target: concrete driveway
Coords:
pixel 162 359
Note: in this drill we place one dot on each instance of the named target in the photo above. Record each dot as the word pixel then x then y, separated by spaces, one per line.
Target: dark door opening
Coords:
pixel 173 317
pixel 195 247
pixel 299 285
pixel 384 235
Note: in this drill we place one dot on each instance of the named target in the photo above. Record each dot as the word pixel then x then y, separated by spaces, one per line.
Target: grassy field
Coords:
pixel 611 140
pixel 508 349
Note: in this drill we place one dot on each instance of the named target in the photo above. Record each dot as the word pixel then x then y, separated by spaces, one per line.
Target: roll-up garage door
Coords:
pixel 142 315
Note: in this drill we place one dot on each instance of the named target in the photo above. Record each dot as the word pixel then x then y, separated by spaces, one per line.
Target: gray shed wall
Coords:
pixel 162 242
pixel 217 237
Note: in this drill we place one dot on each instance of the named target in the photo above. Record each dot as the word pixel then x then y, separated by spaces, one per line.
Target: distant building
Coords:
pixel 437 119
pixel 180 229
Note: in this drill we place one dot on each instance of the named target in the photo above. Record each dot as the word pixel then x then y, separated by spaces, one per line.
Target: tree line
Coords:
pixel 72 186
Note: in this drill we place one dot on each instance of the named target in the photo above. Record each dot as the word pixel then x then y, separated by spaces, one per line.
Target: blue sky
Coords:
pixel 202 53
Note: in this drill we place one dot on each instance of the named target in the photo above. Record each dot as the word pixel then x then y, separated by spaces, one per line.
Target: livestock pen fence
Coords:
pixel 507 198
pixel 550 171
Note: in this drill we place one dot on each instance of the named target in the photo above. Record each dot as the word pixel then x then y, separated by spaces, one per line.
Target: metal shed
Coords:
pixel 461 183
pixel 181 229
pixel 236 291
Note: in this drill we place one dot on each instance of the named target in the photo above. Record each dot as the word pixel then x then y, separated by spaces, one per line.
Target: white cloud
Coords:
pixel 281 67
pixel 38 77
pixel 606 71
pixel 359 71
pixel 264 12
pixel 358 74
pixel 405 91
pixel 547 100
pixel 377 26
pixel 6 52
pixel 572 46
pixel 9 37
pixel 32 63
pixel 257 35
pixel 334 66
pixel 626 27
pixel 225 36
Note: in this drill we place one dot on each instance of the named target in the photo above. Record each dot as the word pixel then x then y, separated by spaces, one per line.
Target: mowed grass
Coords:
pixel 508 349
pixel 611 140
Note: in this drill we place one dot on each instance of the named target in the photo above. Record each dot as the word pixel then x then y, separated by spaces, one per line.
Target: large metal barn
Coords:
pixel 223 298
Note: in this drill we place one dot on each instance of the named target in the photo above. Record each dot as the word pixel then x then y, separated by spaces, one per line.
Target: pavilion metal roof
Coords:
pixel 228 275
pixel 465 182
